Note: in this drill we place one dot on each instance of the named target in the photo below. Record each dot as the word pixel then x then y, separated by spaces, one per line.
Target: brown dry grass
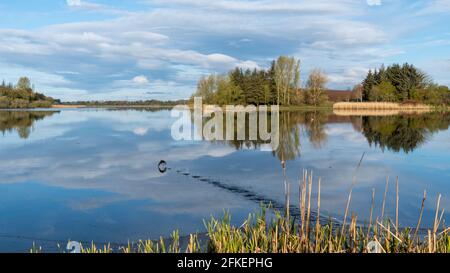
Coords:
pixel 380 106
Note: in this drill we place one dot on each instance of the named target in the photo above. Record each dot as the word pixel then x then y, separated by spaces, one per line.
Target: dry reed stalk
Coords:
pixel 303 204
pixel 384 198
pixel 375 229
pixel 430 248
pixel 435 226
pixel 379 244
pixel 371 213
pixel 318 213
pixel 396 206
pixel 352 233
pixel 283 165
pixel 308 216
pixel 349 198
pixel 288 207
pixel 444 231
pixel 389 232
pixel 276 238
pixel 440 218
pixel 347 207
pixel 420 215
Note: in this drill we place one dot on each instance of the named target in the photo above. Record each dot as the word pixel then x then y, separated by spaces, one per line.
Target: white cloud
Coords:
pixel 73 3
pixel 348 77
pixel 141 80
pixel 374 2
pixel 141 131
pixel 272 6
pixel 436 6
pixel 89 6
pixel 82 4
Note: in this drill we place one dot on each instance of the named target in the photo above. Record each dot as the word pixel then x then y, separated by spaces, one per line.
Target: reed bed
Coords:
pixel 284 235
pixel 278 232
pixel 380 106
pixel 377 113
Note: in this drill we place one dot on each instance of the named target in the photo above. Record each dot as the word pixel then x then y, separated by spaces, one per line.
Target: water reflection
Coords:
pixel 398 133
pixel 403 133
pixel 21 121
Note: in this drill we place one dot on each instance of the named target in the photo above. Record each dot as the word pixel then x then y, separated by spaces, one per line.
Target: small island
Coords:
pixel 23 96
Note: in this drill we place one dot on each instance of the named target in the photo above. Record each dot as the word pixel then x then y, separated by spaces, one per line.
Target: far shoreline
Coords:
pixel 339 106
pixel 64 106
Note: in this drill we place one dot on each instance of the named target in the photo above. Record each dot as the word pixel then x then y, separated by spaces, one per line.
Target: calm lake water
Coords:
pixel 91 174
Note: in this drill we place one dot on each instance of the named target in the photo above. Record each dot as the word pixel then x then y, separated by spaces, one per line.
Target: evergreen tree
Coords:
pixel 408 82
pixel 368 84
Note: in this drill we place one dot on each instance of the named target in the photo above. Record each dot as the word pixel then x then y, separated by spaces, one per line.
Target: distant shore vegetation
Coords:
pixel 403 83
pixel 22 95
pixel 281 84
pixel 119 103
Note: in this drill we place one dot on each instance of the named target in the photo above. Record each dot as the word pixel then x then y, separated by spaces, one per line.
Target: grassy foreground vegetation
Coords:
pixel 282 233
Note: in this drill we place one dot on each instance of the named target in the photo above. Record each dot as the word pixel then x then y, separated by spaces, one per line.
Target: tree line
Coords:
pixel 402 83
pixel 280 84
pixel 121 103
pixel 22 95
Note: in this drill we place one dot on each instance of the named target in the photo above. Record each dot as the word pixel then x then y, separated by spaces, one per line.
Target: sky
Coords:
pixel 158 49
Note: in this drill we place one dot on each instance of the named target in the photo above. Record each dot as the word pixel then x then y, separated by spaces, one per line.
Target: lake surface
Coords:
pixel 91 174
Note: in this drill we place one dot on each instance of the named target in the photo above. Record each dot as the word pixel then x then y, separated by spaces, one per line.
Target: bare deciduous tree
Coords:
pixel 287 78
pixel 315 87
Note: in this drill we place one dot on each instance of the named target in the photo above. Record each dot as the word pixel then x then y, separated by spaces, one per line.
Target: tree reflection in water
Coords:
pixel 403 132
pixel 290 124
pixel 398 133
pixel 21 121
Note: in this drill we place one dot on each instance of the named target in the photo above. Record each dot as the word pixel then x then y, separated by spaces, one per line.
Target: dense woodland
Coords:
pixel 403 83
pixel 22 95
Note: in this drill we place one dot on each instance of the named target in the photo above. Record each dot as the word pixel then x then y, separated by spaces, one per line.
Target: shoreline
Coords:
pixel 352 108
pixel 63 106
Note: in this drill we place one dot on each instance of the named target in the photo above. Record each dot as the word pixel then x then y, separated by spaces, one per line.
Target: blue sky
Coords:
pixel 157 49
